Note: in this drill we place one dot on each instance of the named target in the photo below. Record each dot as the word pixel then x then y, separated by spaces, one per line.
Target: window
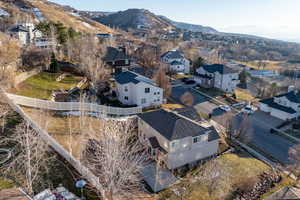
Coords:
pixel 154 93
pixel 158 99
pixel 147 90
pixel 143 101
pixel 157 92
pixel 195 139
pixel 173 144
pixel 126 97
pixel 126 89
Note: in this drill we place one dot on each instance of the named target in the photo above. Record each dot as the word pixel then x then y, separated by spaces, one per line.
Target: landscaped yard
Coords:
pixel 41 85
pixel 241 167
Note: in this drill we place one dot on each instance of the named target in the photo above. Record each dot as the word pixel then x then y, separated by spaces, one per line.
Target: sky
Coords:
pixel 278 19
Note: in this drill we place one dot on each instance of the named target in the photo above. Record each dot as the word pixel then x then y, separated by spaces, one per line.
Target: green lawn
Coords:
pixel 41 85
pixel 6 184
pixel 240 166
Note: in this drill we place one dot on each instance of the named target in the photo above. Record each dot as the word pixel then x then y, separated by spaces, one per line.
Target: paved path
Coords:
pixel 158 178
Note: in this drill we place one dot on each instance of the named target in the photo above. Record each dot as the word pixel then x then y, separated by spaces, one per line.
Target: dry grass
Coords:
pixel 65 130
pixel 269 65
pixel 240 167
pixel 57 14
pixel 242 95
pixel 171 106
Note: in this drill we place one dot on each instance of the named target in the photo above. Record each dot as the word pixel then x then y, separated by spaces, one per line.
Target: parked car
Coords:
pixel 190 82
pixel 226 108
pixel 184 80
pixel 248 110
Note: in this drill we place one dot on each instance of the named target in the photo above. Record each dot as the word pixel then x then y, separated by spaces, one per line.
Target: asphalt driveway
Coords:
pixel 260 124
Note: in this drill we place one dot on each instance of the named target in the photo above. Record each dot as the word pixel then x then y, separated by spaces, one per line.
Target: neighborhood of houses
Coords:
pixel 175 139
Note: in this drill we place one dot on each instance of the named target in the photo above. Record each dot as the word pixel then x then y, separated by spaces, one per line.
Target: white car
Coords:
pixel 225 108
pixel 248 110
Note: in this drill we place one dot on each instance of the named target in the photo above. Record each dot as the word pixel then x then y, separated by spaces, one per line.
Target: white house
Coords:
pixel 25 33
pixel 135 89
pixel 217 76
pixel 285 106
pixel 175 141
pixel 176 61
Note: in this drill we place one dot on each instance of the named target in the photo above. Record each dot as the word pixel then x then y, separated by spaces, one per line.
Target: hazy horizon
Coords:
pixel 275 19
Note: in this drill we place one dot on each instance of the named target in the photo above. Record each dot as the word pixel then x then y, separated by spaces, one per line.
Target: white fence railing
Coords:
pixel 84 171
pixel 73 106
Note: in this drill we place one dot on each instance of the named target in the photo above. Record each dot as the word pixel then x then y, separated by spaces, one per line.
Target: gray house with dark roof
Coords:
pixel 117 58
pixel 174 140
pixel 217 76
pixel 285 106
pixel 176 61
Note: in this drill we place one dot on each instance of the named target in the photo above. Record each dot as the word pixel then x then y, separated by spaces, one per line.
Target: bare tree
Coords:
pixel 34 57
pixel 237 128
pixel 9 51
pixel 30 156
pixel 9 54
pixel 216 178
pixel 148 56
pixel 294 158
pixel 116 156
pixel 90 59
pixel 187 99
pixel 163 81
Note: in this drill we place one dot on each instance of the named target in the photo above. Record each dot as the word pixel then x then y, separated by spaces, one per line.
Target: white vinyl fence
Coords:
pixel 73 106
pixel 85 172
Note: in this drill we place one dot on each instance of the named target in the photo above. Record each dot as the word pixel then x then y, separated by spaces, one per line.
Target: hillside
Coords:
pixel 190 27
pixel 134 18
pixel 40 10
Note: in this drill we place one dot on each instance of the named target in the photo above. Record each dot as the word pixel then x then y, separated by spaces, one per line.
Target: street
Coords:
pixel 260 124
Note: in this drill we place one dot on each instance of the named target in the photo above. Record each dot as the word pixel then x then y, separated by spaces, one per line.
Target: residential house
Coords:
pixel 25 33
pixel 217 76
pixel 175 141
pixel 285 106
pixel 117 58
pixel 176 61
pixel 3 13
pixel 135 89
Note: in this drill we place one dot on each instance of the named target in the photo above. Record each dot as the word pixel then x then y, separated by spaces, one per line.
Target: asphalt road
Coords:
pixel 260 124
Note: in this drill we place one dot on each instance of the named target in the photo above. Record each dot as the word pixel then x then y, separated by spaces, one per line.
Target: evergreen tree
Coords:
pixel 54 68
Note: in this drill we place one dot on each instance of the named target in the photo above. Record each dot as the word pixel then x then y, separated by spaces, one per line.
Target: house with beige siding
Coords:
pixel 175 141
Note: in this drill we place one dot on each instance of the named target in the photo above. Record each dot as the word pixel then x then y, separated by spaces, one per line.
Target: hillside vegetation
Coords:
pixel 56 13
pixel 132 18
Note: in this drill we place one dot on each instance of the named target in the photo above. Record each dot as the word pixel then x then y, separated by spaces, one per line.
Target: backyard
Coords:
pixel 241 167
pixel 43 84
